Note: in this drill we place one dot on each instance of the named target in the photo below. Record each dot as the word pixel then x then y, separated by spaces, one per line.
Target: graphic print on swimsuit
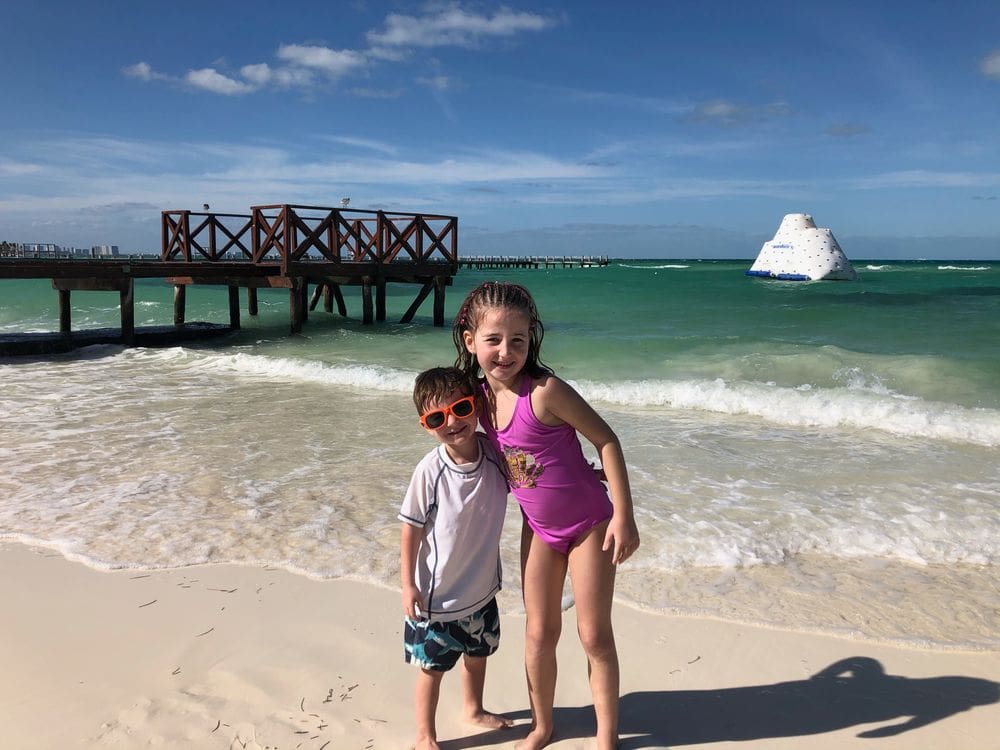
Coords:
pixel 523 471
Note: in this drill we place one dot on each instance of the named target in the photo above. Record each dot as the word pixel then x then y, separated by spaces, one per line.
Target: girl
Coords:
pixel 570 524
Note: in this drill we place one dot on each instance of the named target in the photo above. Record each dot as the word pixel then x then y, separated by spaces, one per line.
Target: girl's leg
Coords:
pixel 426 700
pixel 593 577
pixel 473 684
pixel 543 571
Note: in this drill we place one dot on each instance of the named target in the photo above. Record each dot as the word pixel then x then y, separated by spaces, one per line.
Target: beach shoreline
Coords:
pixel 235 656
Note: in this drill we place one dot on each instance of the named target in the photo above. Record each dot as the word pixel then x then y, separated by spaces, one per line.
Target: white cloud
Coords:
pixel 922 178
pixel 82 172
pixel 144 72
pixel 989 66
pixel 206 79
pixel 656 105
pixel 727 113
pixel 847 129
pixel 332 62
pixel 367 143
pixel 143 177
pixel 438 82
pixel 370 93
pixel 451 25
pixel 139 70
pixel 18 169
pixel 259 74
pixel 263 74
pixel 299 64
pixel 210 79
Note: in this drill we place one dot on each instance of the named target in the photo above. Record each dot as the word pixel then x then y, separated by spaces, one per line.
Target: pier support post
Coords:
pixel 127 301
pixel 421 296
pixel 366 300
pixel 380 299
pixel 314 300
pixel 251 300
pixel 339 296
pixel 234 307
pixel 295 304
pixel 65 326
pixel 330 292
pixel 180 298
pixel 439 283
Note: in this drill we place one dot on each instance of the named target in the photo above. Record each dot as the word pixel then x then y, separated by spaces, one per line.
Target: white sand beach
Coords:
pixel 242 657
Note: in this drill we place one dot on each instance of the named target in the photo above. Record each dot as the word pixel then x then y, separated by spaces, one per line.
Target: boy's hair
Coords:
pixel 505 295
pixel 434 385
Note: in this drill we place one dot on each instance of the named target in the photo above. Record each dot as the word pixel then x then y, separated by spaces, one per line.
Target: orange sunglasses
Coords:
pixel 461 408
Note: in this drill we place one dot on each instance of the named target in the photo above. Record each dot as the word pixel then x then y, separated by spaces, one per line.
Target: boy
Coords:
pixel 449 561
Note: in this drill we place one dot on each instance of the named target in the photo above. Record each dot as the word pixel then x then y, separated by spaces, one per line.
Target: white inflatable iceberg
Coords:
pixel 801 251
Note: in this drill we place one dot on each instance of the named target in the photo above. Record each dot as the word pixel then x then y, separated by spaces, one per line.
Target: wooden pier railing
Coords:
pixel 329 247
pixel 291 234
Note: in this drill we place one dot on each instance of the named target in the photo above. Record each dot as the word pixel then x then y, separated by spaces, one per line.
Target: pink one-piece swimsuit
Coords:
pixel 559 493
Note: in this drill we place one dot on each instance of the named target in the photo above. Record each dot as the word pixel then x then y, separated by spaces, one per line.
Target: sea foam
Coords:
pixel 863 403
pixel 810 407
pixel 308 371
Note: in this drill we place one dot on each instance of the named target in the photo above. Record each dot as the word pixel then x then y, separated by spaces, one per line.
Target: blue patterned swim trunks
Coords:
pixel 438 645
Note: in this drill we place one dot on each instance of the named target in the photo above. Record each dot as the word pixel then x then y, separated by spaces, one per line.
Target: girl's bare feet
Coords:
pixel 426 743
pixel 535 740
pixel 489 720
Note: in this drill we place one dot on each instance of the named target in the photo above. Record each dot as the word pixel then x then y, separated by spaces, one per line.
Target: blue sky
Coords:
pixel 660 129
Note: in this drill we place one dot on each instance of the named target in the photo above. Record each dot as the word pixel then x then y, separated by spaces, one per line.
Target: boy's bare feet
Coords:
pixel 535 740
pixel 426 743
pixel 489 720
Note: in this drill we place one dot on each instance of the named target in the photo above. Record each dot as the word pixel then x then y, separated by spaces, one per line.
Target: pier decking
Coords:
pixel 532 261
pixel 278 246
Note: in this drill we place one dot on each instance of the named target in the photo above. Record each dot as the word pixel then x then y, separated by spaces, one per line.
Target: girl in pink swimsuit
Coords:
pixel 570 523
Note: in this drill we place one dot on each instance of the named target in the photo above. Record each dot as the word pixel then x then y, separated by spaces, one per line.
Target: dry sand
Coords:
pixel 235 657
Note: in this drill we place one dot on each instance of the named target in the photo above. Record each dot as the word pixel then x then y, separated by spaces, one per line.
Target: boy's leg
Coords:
pixel 543 571
pixel 426 695
pixel 473 685
pixel 593 577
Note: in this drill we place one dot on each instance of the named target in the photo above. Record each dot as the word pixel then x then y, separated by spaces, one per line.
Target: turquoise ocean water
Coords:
pixel 821 456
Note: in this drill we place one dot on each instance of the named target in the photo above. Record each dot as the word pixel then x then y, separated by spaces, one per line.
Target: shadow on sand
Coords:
pixel 849 692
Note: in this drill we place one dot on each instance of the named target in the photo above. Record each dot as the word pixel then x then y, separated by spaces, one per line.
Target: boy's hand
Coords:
pixel 412 602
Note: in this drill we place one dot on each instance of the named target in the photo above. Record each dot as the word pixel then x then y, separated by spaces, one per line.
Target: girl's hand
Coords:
pixel 412 603
pixel 622 537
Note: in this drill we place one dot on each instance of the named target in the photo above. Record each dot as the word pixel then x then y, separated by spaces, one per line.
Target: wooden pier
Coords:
pixel 532 261
pixel 277 246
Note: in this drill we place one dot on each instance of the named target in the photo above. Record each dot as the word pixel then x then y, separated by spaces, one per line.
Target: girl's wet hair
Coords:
pixel 433 386
pixel 504 295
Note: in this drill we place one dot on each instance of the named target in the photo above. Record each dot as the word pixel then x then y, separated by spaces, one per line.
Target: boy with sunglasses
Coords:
pixel 449 562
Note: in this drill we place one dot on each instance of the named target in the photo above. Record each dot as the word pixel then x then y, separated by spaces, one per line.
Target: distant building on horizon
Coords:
pixel 52 250
pixel 40 250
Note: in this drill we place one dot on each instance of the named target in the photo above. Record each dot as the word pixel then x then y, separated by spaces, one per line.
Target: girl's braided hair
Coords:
pixel 508 296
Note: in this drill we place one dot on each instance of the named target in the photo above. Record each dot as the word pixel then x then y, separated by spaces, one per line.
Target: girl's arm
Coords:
pixel 556 401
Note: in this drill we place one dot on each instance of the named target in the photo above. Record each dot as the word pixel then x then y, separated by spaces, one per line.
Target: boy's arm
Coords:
pixel 409 543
